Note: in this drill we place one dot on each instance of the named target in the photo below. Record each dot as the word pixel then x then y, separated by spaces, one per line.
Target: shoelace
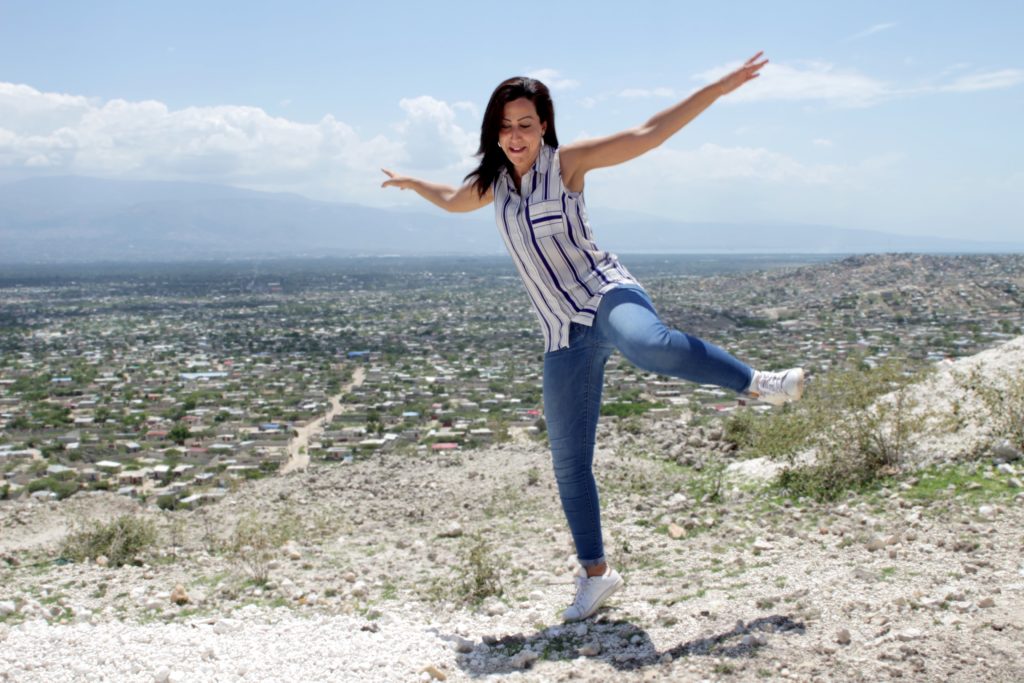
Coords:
pixel 771 383
pixel 581 581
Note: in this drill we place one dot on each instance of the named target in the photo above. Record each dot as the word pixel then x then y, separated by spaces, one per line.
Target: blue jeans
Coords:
pixel 573 379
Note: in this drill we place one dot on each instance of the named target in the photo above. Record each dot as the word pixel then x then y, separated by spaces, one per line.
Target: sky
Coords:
pixel 903 117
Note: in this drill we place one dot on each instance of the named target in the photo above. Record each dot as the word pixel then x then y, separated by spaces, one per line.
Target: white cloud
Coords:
pixel 822 142
pixel 824 82
pixel 647 92
pixel 431 137
pixel 235 145
pixel 820 81
pixel 991 80
pixel 877 28
pixel 553 79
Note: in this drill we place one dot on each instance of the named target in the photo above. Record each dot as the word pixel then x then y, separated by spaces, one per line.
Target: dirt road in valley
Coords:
pixel 298 455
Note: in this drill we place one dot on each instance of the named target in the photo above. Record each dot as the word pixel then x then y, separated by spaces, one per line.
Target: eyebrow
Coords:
pixel 528 116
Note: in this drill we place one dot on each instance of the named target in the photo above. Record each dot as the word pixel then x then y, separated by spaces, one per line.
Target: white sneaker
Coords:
pixel 777 387
pixel 591 592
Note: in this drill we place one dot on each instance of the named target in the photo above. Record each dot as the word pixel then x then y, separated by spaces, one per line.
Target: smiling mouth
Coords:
pixel 516 150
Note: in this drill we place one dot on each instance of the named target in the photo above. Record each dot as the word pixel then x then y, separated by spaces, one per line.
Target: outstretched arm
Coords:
pixel 454 199
pixel 579 157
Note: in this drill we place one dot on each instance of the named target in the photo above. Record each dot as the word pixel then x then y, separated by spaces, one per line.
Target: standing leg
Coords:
pixel 573 379
pixel 627 319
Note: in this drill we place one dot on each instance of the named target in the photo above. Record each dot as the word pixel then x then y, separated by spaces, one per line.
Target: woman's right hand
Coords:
pixel 400 181
pixel 464 198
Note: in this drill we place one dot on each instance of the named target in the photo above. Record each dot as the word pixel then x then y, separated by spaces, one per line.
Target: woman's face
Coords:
pixel 521 134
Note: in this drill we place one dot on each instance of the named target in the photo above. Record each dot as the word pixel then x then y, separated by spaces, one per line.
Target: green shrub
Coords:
pixel 256 541
pixel 856 438
pixel 121 541
pixel 478 576
pixel 863 439
pixel 1001 402
pixel 167 501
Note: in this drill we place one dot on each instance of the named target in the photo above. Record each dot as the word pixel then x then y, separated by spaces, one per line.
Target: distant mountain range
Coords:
pixel 72 218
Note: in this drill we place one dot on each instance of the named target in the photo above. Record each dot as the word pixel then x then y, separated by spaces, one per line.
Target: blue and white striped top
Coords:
pixel 548 236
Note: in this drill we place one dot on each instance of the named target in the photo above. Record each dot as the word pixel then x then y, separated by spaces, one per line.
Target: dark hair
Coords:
pixel 492 159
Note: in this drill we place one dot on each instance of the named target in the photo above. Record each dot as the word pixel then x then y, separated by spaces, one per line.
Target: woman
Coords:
pixel 587 302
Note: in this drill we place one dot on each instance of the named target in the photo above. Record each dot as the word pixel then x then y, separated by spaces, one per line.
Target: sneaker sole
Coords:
pixel 600 600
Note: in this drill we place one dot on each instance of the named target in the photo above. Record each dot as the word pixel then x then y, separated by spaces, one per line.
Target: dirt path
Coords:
pixel 298 457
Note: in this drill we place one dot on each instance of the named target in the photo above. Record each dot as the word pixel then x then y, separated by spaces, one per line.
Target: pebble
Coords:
pixel 987 511
pixel 591 649
pixel 462 645
pixel 359 589
pixel 454 530
pixel 762 545
pixel 864 574
pixel 523 659
pixel 986 602
pixel 226 626
pixel 1006 452
pixel 676 531
pixel 434 673
pixel 876 543
pixel 908 634
pixel 7 607
pixel 102 560
pixel 179 596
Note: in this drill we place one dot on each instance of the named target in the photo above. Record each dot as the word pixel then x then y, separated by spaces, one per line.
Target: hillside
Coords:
pixel 920 579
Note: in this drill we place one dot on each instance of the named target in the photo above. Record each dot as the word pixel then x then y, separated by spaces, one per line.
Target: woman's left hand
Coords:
pixel 747 72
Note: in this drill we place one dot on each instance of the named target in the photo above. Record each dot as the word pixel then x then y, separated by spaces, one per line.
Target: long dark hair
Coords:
pixel 492 159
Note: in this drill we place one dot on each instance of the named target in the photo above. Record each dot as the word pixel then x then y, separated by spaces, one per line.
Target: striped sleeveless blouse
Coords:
pixel 547 233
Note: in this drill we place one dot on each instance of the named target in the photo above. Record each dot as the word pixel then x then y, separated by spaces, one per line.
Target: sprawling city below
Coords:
pixel 177 383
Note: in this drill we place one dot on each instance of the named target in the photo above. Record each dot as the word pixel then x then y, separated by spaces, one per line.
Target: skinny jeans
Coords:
pixel 573 379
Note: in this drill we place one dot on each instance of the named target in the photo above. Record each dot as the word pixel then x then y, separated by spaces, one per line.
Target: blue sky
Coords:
pixel 902 117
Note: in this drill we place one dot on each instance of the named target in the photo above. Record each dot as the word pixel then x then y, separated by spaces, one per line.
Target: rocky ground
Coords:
pixel 406 568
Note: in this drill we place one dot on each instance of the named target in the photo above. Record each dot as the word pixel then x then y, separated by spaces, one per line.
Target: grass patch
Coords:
pixel 972 482
pixel 630 408
pixel 478 576
pixel 121 541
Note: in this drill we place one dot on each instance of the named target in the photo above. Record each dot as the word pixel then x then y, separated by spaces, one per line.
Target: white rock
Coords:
pixel 226 625
pixel 875 543
pixel 454 530
pixel 359 589
pixel 987 511
pixel 462 645
pixel 7 607
pixel 591 649
pixel 162 676
pixel 909 634
pixel 523 659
